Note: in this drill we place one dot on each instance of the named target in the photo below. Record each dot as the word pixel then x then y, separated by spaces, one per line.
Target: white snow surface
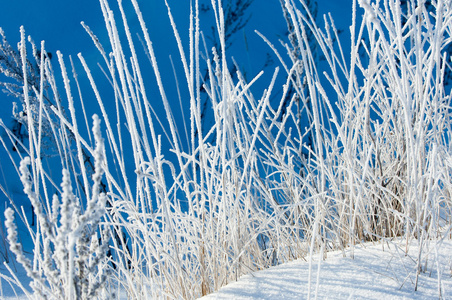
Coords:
pixel 377 271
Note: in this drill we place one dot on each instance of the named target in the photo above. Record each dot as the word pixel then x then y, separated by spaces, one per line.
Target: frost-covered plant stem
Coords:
pixel 189 221
pixel 73 264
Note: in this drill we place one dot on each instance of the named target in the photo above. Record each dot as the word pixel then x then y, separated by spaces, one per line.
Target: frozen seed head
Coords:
pixel 10 226
pixel 370 12
pixel 25 175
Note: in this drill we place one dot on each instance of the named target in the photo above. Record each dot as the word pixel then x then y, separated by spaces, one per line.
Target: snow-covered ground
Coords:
pixel 378 271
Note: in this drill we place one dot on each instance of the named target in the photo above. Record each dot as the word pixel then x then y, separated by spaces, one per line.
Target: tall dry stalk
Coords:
pixel 188 221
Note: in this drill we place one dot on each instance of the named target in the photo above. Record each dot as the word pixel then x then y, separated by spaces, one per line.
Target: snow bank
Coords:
pixel 378 271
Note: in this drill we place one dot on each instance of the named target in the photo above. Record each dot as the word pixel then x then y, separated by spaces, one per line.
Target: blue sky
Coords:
pixel 58 23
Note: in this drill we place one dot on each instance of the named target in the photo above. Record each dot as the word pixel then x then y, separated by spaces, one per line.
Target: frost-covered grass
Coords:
pixel 382 271
pixel 247 194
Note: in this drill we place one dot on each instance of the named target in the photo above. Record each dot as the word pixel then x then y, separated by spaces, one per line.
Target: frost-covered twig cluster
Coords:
pixel 186 222
pixel 70 254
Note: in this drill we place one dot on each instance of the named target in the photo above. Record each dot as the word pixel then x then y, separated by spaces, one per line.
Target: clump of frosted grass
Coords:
pixel 70 253
pixel 381 160
pixel 378 168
